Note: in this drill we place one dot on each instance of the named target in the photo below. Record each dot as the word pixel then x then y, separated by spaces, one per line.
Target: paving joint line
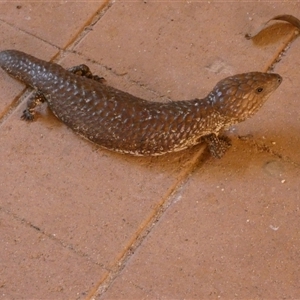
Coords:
pixel 85 29
pixel 12 106
pixel 262 147
pixel 282 51
pixel 93 20
pixel 52 237
pixel 124 75
pixel 30 34
pixel 277 58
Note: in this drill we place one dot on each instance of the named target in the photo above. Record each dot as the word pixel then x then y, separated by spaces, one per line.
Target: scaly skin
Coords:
pixel 124 123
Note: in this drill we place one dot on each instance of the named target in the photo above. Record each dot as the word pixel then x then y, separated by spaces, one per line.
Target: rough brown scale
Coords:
pixel 122 122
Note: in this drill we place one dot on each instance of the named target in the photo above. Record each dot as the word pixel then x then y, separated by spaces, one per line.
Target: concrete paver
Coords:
pixel 81 222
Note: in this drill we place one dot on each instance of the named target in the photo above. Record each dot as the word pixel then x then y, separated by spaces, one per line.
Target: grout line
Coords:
pixel 7 111
pixel 52 237
pixel 89 24
pixel 145 228
pixel 86 28
pixel 262 147
pixel 29 33
pixel 281 51
pixel 125 75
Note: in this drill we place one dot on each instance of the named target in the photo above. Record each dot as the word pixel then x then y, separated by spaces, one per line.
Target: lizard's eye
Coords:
pixel 259 90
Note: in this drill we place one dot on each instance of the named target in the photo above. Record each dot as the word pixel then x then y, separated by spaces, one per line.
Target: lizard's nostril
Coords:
pixel 279 79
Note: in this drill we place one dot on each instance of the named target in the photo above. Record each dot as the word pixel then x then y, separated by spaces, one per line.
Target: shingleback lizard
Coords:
pixel 124 123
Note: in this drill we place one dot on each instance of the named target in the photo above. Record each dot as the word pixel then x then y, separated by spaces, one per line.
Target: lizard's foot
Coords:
pixel 33 102
pixel 217 145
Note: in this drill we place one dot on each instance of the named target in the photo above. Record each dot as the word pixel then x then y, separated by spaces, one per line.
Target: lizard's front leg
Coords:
pixel 217 145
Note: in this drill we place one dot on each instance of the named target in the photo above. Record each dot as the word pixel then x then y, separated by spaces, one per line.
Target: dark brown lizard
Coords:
pixel 124 123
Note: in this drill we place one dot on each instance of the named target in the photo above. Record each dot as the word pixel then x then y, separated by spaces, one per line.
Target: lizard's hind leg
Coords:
pixel 33 102
pixel 38 97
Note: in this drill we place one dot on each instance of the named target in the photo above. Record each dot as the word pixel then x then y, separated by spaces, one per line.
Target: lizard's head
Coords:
pixel 239 97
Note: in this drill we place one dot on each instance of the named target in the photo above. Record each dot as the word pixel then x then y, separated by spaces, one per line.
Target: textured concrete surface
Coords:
pixel 81 222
